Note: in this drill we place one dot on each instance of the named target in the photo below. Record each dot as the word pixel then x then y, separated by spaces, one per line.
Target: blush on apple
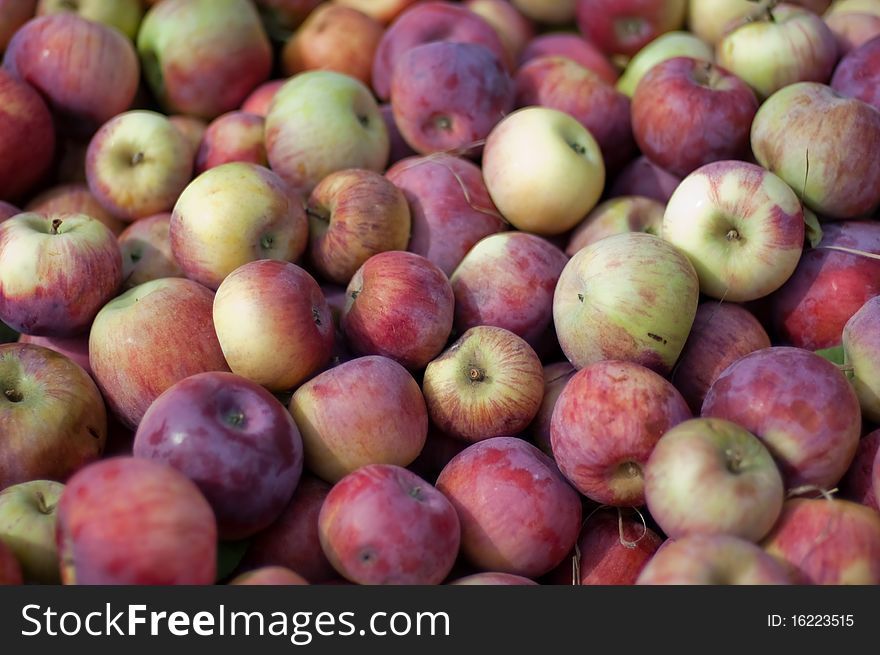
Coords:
pixel 862 480
pixel 234 136
pixel 73 198
pixel 617 216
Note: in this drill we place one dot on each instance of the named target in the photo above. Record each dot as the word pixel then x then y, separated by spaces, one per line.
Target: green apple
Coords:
pixel 27 527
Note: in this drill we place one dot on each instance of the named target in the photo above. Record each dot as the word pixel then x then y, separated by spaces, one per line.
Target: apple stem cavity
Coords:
pixel 734 461
pixel 476 374
pixel 318 216
pixel 42 506
pixel 137 158
pixel 578 148
pixel 235 419
pixel 13 395
pixel 56 225
pixel 316 316
pixel 732 235
pixel 267 242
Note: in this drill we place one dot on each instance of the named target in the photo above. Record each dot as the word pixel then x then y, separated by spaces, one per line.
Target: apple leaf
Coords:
pixel 229 556
pixel 813 229
pixel 833 355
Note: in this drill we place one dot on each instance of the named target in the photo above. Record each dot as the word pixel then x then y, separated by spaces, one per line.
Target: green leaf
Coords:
pixel 229 556
pixel 834 355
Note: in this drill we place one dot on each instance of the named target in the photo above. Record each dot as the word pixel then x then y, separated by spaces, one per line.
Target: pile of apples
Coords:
pixel 419 292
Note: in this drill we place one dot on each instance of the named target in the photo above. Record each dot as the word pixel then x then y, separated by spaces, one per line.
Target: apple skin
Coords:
pixel 828 286
pixel 512 27
pixel 88 71
pixel 858 74
pixel 560 83
pixel 861 342
pixel 741 226
pixel 853 30
pixel 664 47
pixel 234 440
pixel 14 14
pixel 56 272
pixel 712 559
pixel 556 377
pixel 718 105
pixel 478 92
pixel 492 578
pixel 617 216
pixel 203 57
pixel 234 136
pixel 281 17
pixel 860 484
pixel 398 148
pixel 74 348
pixel 549 12
pixel 233 214
pixel 574 47
pixel 292 541
pixel 710 20
pixel 124 15
pixel 800 405
pixel 594 312
pixel 27 527
pixel 827 542
pixel 507 280
pixel 543 169
pixel 625 27
pixel 722 333
pixel 518 514
pixel 384 11
pixel 7 210
pixel 399 305
pixel 840 134
pixel 427 22
pixel 73 198
pixel 489 383
pixel 10 569
pixel 334 37
pixel 321 122
pixel 343 413
pixel 353 215
pixel 450 207
pixel 382 524
pixel 128 520
pixel 137 164
pixel 602 453
pixel 260 99
pixel 27 137
pixel 641 177
pixel 146 251
pixel 289 333
pixel 150 337
pixel 269 575
pixel 192 128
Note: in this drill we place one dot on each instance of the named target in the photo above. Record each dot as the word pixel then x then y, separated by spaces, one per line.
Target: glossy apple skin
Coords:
pixel 828 286
pixel 512 27
pixel 269 575
pixel 560 83
pixel 53 417
pixel 842 179
pixel 641 177
pixel 600 452
pixel 382 524
pixel 73 198
pixel 56 272
pixel 722 333
pixel 234 136
pixel 574 47
pixel 625 27
pixel 428 22
pixel 518 514
pixel 88 71
pixel 27 527
pixel 492 578
pixel 234 440
pixel 507 280
pixel 343 417
pixel 150 337
pixel 27 137
pixel 860 347
pixel 617 216
pixel 718 105
pixel 292 541
pixel 712 560
pixel 449 205
pixel 74 348
pixel 858 74
pixel 146 251
pixel 862 480
pixel 260 99
pixel 799 404
pixel 399 305
pixel 203 57
pixel 824 542
pixel 556 377
pixel 132 521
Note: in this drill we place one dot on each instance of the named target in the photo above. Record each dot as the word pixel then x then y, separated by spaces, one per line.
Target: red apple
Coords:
pixel 73 199
pixel 623 27
pixel 234 136
pixel 260 98
pixel 74 348
pixel 10 569
pixel 617 216
pixel 853 29
pixel 574 47
pixel 7 210
pixel 641 177
pixel 860 484
pixel 858 74
pixel 146 251
pixel 512 27
pixel 556 377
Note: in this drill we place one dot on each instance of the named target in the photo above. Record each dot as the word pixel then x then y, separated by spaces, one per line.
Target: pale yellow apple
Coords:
pixel 710 19
pixel 666 46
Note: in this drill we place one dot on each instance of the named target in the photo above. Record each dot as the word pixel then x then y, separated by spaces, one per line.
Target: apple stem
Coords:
pixel 13 395
pixel 764 11
pixel 137 158
pixel 476 374
pixel 732 235
pixel 42 505
pixel 56 225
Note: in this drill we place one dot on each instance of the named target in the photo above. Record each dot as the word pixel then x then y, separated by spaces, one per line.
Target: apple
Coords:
pixel 860 482
pixel 560 83
pixel 138 164
pixel 124 15
pixel 800 405
pixel 384 11
pixel 334 37
pixel 827 542
pixel 289 332
pixel 858 74
pixel 344 417
pixel 192 128
pixel 353 215
pixel 150 337
pixel 492 578
pixel 601 454
pixel 398 147
pixel 861 347
pixel 260 99
pixel 88 71
pixel 556 377
pixel 27 527
pixel 853 29
pixel 489 383
pixel 54 418
pixel 512 27
pixel 75 348
pixel 507 280
pixel 712 559
pixel 710 20
pixel 741 226
pixel 7 210
pixel 399 305
pixel 427 22
pixel 594 310
pixel 623 27
pixel 543 169
pixel 56 272
pixel 269 575
pixel 437 452
pixel 146 251
pixel 382 524
pixel 14 14
pixel 233 214
pixel 120 521
pixel 281 17
pixel 321 122
pixel 518 514
pixel 574 47
pixel 641 177
pixel 73 198
pixel 478 92
pixel 551 12
pixel 234 136
pixel 450 208
pixel 617 216
pixel 203 57
pixel 707 109
pixel 10 569
pixel 27 137
pixel 664 47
